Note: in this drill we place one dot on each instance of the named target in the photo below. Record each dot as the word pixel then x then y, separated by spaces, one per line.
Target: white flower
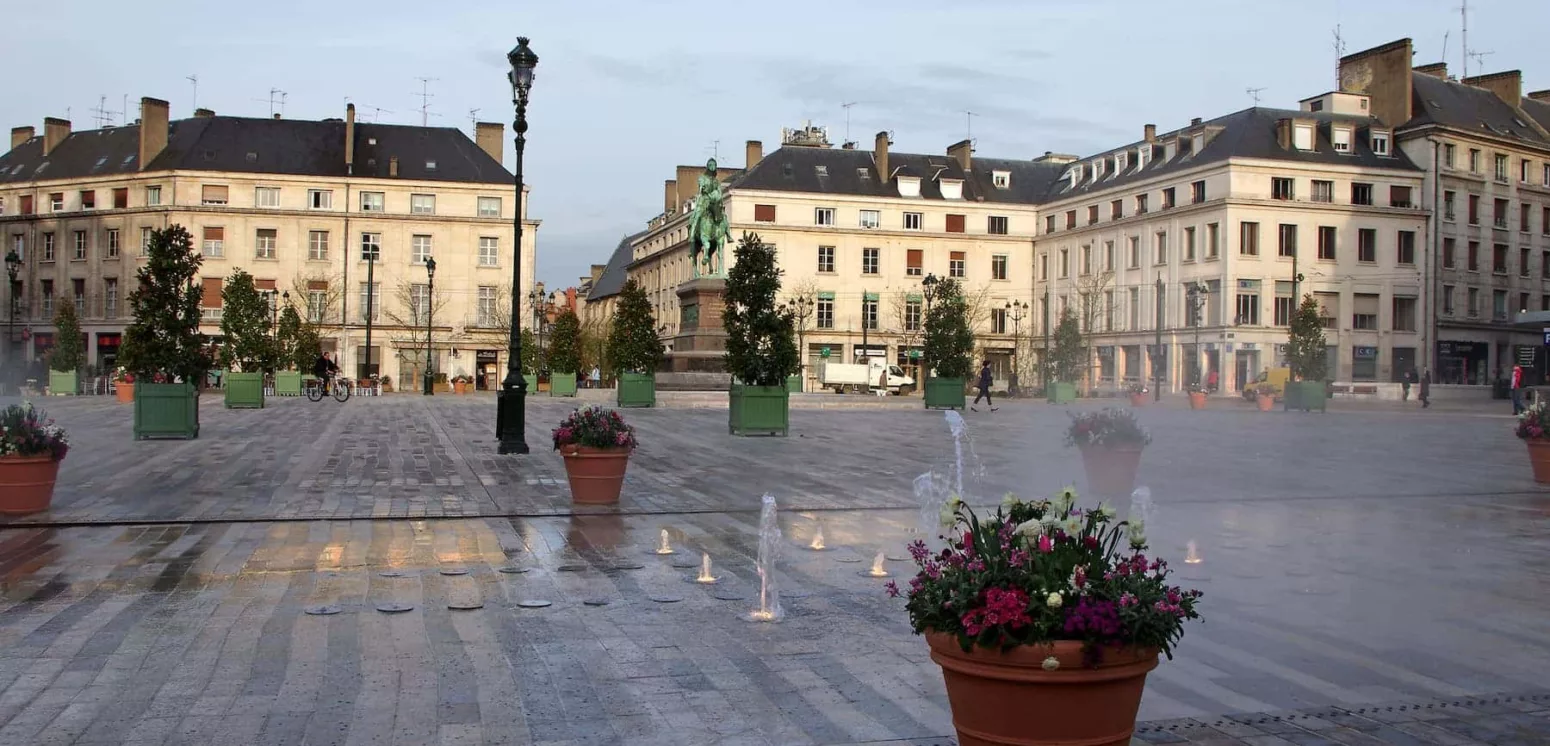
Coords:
pixel 1137 533
pixel 1072 526
pixel 1054 601
pixel 1107 512
pixel 1010 501
pixel 948 516
pixel 1064 500
pixel 1031 528
pixel 1049 519
pixel 1051 663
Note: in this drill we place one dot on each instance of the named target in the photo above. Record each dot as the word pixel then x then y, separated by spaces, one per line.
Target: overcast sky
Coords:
pixel 626 90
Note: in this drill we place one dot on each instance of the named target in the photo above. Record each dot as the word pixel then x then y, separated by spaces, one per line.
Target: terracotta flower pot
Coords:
pixel 1111 470
pixel 1138 400
pixel 596 475
pixel 1265 402
pixel 1539 458
pixel 26 483
pixel 1197 400
pixel 124 392
pixel 1015 697
pixel 459 388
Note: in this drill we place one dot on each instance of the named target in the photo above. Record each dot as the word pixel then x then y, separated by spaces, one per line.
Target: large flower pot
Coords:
pixel 596 474
pixel 166 410
pixel 244 390
pixel 124 392
pixel 758 410
pixel 945 393
pixel 458 387
pixel 1061 392
pixel 287 383
pixel 1021 697
pixel 637 390
pixel 63 383
pixel 1539 458
pixel 1197 400
pixel 26 483
pixel 1265 402
pixel 1138 400
pixel 794 384
pixel 1304 395
pixel 562 384
pixel 1111 470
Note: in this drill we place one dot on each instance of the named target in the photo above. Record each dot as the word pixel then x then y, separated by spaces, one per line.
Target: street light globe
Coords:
pixel 522 62
pixel 430 267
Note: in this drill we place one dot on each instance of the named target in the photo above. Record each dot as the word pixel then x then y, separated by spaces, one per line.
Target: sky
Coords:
pixel 626 90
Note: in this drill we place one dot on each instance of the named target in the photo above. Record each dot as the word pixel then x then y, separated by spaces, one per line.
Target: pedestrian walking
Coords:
pixel 1426 388
pixel 1404 386
pixel 596 378
pixel 1517 389
pixel 984 386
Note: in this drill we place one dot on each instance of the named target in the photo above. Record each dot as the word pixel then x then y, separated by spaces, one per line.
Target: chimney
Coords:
pixel 153 130
pixel 1194 122
pixel 962 152
pixel 880 154
pixel 208 113
pixel 349 139
pixel 20 135
pixel 1508 86
pixel 491 137
pixel 393 166
pixel 670 196
pixel 753 152
pixel 277 116
pixel 1149 133
pixel 1383 74
pixel 1536 95
pixel 1436 70
pixel 54 132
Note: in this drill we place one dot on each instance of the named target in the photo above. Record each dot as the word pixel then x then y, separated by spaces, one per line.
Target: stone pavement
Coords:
pixel 1370 578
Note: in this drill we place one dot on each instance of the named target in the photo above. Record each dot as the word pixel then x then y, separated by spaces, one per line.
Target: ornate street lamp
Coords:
pixel 929 291
pixel 1017 310
pixel 510 427
pixel 430 310
pixel 13 266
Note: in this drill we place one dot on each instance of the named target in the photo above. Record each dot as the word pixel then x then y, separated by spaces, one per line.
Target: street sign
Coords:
pixel 915 354
pixel 825 352
pixel 1546 330
pixel 1526 355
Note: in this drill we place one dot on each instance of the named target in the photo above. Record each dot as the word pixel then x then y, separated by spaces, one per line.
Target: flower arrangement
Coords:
pixel 25 431
pixel 122 375
pixel 1043 571
pixel 1137 388
pixel 1534 423
pixel 1265 390
pixel 1106 427
pixel 594 427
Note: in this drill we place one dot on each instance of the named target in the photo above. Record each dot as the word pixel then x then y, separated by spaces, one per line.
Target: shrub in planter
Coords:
pixel 761 342
pixel 31 447
pixel 65 360
pixel 596 444
pixel 1111 441
pixel 248 346
pixel 947 344
pixel 288 336
pixel 635 348
pixel 1045 620
pixel 1305 356
pixel 162 346
pixel 564 354
pixel 1068 358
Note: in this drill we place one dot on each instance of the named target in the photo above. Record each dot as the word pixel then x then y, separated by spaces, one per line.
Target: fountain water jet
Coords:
pixel 877 570
pixel 769 550
pixel 818 539
pixel 705 576
pixel 1191 557
pixel 664 547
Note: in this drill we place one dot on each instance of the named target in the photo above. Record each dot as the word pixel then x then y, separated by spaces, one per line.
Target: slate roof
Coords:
pixel 1539 110
pixel 611 281
pixel 264 146
pixel 1445 102
pixel 854 172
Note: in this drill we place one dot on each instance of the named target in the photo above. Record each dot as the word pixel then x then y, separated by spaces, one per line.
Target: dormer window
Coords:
pixel 1380 142
pixel 909 186
pixel 1143 156
pixel 1097 169
pixel 865 174
pixel 1073 177
pixel 1342 139
pixel 1197 143
pixel 1302 136
pixel 951 188
pixel 1001 179
pixel 1119 163
pixel 1170 148
pixel 822 171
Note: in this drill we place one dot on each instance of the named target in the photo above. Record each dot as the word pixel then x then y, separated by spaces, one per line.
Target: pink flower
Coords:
pixel 1046 545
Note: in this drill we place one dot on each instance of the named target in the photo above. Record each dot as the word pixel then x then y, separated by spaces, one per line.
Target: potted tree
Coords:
pixel 1045 620
pixel 596 444
pixel 247 348
pixel 31 447
pixel 1305 355
pixel 287 374
pixel 162 346
pixel 564 354
pixel 635 347
pixel 1068 357
pixel 947 342
pixel 1110 440
pixel 304 351
pixel 64 361
pixel 761 344
pixel 529 361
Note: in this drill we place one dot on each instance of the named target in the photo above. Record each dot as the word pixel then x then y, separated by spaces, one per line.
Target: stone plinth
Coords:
pixel 701 343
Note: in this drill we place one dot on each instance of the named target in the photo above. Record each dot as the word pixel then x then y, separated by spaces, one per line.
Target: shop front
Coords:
pixel 1463 362
pixel 107 350
pixel 488 372
pixel 1107 368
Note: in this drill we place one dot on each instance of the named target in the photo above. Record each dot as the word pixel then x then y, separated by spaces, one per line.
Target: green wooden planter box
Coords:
pixel 287 383
pixel 1305 395
pixel 945 393
pixel 562 384
pixel 637 390
pixel 794 384
pixel 244 390
pixel 1061 392
pixel 532 383
pixel 166 410
pixel 758 410
pixel 63 382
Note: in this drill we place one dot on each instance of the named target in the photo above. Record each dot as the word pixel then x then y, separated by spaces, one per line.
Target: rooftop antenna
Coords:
pixel 1480 58
pixel 1339 45
pixel 968 118
pixel 846 107
pixel 271 100
pixel 102 114
pixel 377 111
pixel 1254 92
pixel 1444 57
pixel 715 149
pixel 195 80
pixel 473 119
pixel 425 99
pixel 1464 37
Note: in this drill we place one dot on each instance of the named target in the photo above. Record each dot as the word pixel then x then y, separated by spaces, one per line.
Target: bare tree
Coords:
pixel 802 299
pixel 902 310
pixel 1092 309
pixel 327 289
pixel 411 308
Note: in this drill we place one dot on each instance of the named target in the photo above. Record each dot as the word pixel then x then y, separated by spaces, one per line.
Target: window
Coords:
pixel 825 258
pixel 1499 259
pixel 1001 179
pixel 998 321
pixel 869 261
pixel 1213 240
pixel 489 207
pixel 1070 219
pixel 955 264
pixel 419 301
pixel 1474 161
pixel 486 309
pixel 1547 174
pixel 996 224
pixel 1367 245
pixel 1135 252
pixel 1364 314
pixel 1140 204
pixel 1522 302
pixel 1448 212
pixel 214 244
pixel 110 297
pixel 371 301
pixel 1448 153
pixel 80 245
pixel 422 204
pixel 823 216
pixel 1287 242
pixel 1248 304
pixel 1049 223
pixel 112 241
pixel 373 201
pixel 1327 242
pixel 317 302
pixel 1065 263
pixel 1473 257
pixel 1160 246
pixel 1380 143
pixel 317 246
pixel 1189 244
pixel 1285 304
pixel 1523 262
pixel 1092 214
pixel 1135 308
pixel 212 194
pixel 1168 200
pixel 47 291
pixel 870 219
pixel 1405 251
pixel 1108 256
pixel 1544 222
pixel 266 197
pixel 1447 300
pixel 1323 191
pixel 1342 139
pixel 1499 214
pixel 1474 302
pixel 825 316
pixel 48 247
pixel 1197 192
pixel 1525 212
pixel 912 221
pixel 1501 167
pixel 1361 194
pixel 263 243
pixel 954 223
pixel 371 247
pixel 1117 209
pixel 1302 136
pixel 1248 239
pixel 489 251
pixel 120 199
pixel 764 213
pixel 1087 259
pixel 1474 209
pixel 320 199
pixel 419 249
pixel 145 241
pixel 1544 264
pixel 1544 302
pixel 914 258
pixel 998 267
pixel 1399 196
pixel 1499 305
pixel 152 196
pixel 56 202
pixel 869 312
pixel 911 315
pixel 1281 188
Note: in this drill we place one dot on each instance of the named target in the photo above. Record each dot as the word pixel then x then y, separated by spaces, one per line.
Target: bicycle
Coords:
pixel 340 390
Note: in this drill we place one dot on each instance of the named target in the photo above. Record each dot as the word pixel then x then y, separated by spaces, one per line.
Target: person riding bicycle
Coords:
pixel 324 369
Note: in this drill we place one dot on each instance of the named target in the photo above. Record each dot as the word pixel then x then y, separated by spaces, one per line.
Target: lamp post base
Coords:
pixel 510 414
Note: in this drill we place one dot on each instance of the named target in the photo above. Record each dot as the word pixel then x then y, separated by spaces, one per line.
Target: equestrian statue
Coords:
pixel 708 229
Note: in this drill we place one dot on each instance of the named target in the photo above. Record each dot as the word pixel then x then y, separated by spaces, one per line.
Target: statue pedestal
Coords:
pixel 701 343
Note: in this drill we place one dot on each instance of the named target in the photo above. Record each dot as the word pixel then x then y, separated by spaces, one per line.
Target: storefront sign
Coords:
pixel 1546 330
pixel 486 356
pixel 1525 355
pixel 1364 353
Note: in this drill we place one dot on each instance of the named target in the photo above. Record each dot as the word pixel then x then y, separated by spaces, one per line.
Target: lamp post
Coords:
pixel 13 267
pixel 1016 309
pixel 430 310
pixel 370 250
pixel 928 291
pixel 1158 349
pixel 510 427
pixel 802 308
pixel 1197 295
